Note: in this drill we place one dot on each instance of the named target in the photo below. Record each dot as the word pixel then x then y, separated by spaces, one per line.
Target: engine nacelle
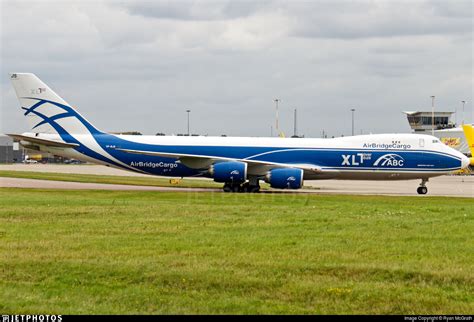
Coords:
pixel 285 178
pixel 229 172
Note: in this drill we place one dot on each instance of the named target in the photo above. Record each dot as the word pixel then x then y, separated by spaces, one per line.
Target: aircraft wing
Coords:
pixel 203 161
pixel 45 142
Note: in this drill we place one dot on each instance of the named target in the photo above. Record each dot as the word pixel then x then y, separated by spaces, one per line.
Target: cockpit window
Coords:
pixel 436 141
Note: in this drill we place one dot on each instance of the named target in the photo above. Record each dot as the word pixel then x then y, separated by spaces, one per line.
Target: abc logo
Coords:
pixel 390 160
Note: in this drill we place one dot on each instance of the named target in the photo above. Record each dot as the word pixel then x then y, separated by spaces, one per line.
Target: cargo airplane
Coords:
pixel 240 163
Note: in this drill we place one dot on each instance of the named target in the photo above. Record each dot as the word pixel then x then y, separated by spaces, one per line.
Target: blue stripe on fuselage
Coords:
pixel 327 158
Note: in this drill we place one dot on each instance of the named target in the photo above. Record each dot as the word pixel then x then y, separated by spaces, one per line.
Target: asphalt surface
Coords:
pixel 454 186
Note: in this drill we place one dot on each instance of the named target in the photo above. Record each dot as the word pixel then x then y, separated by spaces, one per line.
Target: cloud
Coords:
pixel 354 20
pixel 140 65
pixel 195 10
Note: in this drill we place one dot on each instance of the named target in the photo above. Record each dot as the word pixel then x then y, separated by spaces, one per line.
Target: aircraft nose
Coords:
pixel 465 162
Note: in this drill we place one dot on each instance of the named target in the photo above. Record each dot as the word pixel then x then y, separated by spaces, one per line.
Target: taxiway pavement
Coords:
pixel 450 186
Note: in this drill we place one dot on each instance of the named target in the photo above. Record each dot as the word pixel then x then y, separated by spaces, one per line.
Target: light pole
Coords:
pixel 352 110
pixel 295 131
pixel 455 116
pixel 188 111
pixel 277 126
pixel 463 102
pixel 432 114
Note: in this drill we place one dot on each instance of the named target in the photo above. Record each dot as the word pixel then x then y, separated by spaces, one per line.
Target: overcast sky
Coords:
pixel 138 65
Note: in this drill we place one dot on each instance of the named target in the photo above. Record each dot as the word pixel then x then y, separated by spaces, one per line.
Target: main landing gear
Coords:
pixel 245 187
pixel 422 189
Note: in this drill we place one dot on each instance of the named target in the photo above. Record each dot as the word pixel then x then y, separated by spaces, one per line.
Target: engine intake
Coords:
pixel 285 178
pixel 229 172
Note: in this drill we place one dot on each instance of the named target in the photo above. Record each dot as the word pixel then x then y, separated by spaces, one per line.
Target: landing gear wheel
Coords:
pixel 422 190
pixel 227 188
pixel 253 186
pixel 254 189
pixel 236 188
pixel 247 187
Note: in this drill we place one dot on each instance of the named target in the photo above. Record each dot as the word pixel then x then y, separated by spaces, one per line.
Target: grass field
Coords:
pixel 146 252
pixel 110 179
pixel 153 181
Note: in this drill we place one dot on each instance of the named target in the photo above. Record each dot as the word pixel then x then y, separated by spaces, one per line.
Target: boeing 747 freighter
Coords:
pixel 240 163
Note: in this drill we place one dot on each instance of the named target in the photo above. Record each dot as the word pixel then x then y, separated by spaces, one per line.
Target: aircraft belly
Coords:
pixel 375 175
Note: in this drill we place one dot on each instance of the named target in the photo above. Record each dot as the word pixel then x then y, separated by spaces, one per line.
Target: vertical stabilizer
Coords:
pixel 46 111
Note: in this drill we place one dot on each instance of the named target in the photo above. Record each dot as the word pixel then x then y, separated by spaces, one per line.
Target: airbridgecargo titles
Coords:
pixel 240 163
pixel 393 145
pixel 141 164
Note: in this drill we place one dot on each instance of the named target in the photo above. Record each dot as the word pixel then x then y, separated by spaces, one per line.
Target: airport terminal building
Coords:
pixel 10 151
pixel 444 129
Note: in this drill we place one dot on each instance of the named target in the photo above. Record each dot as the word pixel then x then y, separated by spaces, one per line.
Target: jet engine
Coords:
pixel 235 172
pixel 285 178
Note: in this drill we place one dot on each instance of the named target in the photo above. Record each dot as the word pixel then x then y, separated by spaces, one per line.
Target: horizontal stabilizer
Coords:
pixel 40 141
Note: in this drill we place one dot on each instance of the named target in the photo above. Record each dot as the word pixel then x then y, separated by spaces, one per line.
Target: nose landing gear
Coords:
pixel 422 189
